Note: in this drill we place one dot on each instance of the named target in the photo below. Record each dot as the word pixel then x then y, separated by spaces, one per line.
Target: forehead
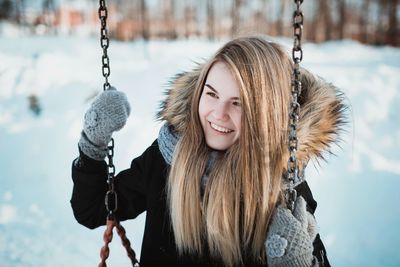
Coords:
pixel 221 78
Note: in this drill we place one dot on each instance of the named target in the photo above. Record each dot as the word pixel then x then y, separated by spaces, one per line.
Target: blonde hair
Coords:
pixel 245 182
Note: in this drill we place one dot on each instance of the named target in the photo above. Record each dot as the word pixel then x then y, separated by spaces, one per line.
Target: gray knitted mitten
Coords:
pixel 108 113
pixel 290 237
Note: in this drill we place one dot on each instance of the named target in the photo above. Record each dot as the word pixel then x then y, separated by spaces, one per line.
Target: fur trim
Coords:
pixel 322 112
pixel 175 109
pixel 322 117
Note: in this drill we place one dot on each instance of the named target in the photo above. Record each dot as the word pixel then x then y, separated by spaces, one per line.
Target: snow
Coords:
pixel 357 190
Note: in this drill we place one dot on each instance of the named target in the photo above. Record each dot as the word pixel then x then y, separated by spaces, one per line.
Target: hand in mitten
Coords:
pixel 108 113
pixel 290 237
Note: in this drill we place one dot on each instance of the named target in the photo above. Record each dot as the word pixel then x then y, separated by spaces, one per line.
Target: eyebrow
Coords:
pixel 215 91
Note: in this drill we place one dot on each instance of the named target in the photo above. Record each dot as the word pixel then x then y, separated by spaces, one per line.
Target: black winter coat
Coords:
pixel 142 188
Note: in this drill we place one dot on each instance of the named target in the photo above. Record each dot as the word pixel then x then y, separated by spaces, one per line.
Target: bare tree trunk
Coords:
pixel 314 22
pixel 364 15
pixel 265 27
pixel 210 20
pixel 23 10
pixel 392 33
pixel 5 9
pixel 260 18
pixel 169 18
pixel 326 14
pixel 173 34
pixel 187 16
pixel 47 11
pixel 323 22
pixel 190 19
pixel 281 18
pixel 235 16
pixel 144 20
pixel 18 11
pixel 342 18
pixel 380 34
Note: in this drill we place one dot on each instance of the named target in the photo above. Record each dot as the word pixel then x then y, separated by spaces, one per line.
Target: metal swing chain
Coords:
pixel 104 42
pixel 111 202
pixel 297 56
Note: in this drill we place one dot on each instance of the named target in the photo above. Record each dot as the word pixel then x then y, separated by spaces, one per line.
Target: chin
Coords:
pixel 220 147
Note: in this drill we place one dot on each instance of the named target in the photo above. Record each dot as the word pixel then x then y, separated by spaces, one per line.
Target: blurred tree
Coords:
pixel 144 20
pixel 235 16
pixel 12 10
pixel 368 21
pixel 265 22
pixel 261 15
pixel 188 9
pixel 48 10
pixel 364 21
pixel 393 32
pixel 48 5
pixel 321 23
pixel 6 8
pixel 169 19
pixel 325 13
pixel 280 23
pixel 312 31
pixel 19 10
pixel 341 18
pixel 380 32
pixel 210 20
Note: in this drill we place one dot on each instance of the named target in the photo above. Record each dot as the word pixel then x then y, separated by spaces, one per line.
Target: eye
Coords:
pixel 237 103
pixel 212 94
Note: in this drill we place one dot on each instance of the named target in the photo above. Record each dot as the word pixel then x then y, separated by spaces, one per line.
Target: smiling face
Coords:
pixel 219 108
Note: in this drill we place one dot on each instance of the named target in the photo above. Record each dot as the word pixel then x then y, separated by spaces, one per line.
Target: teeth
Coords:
pixel 219 128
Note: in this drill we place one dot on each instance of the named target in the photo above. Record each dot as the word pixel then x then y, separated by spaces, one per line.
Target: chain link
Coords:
pixel 111 196
pixel 104 43
pixel 111 200
pixel 297 56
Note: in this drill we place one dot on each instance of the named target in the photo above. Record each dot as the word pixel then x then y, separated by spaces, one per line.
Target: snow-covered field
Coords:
pixel 357 190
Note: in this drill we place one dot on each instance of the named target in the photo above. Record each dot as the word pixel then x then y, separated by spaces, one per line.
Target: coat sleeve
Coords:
pixel 90 186
pixel 319 249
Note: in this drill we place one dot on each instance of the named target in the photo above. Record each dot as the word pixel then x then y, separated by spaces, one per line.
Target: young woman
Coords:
pixel 212 183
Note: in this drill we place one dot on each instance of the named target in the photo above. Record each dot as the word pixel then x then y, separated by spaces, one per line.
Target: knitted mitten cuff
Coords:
pixel 90 149
pixel 305 260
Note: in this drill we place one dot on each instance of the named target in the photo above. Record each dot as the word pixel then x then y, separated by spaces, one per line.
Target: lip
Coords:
pixel 220 132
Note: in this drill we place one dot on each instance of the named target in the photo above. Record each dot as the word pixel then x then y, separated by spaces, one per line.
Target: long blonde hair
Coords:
pixel 245 182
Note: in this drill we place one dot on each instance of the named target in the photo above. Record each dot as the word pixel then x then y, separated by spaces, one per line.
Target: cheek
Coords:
pixel 202 111
pixel 237 120
pixel 204 107
pixel 201 108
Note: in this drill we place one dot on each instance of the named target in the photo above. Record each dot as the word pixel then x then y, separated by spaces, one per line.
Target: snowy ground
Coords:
pixel 357 191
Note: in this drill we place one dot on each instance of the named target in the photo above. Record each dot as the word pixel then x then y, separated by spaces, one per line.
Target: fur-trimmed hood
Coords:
pixel 322 112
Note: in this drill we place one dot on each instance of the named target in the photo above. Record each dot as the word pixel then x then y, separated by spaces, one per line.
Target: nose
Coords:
pixel 221 111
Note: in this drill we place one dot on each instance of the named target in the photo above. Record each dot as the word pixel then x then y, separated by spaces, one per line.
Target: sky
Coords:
pixel 356 190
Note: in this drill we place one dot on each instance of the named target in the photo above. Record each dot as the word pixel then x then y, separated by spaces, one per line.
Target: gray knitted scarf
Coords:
pixel 167 140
